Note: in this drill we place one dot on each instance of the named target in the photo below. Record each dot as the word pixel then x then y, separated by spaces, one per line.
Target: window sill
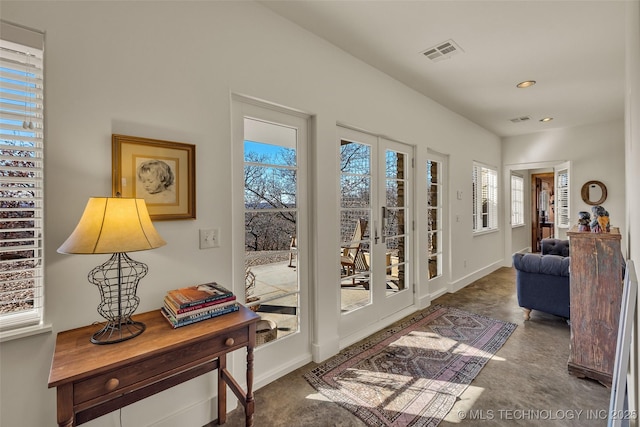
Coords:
pixel 483 232
pixel 518 225
pixel 26 331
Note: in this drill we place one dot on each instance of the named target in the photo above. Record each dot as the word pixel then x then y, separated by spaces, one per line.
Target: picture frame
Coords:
pixel 161 172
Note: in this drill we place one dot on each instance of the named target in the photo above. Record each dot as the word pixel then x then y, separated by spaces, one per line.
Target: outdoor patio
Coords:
pixel 274 282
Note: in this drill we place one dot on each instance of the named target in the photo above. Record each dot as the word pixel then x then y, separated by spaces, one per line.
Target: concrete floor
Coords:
pixel 526 384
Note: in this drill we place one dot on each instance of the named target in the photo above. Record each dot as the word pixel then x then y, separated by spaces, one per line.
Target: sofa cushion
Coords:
pixel 542 264
pixel 555 247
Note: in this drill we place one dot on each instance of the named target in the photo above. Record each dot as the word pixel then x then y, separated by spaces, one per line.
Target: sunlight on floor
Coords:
pixel 463 405
pixel 318 396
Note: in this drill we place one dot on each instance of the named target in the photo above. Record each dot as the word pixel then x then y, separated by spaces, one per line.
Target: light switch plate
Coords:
pixel 209 238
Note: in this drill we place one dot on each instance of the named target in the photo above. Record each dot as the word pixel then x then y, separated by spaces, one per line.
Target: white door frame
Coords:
pixel 281 356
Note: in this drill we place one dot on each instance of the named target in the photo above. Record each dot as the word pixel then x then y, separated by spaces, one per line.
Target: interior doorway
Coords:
pixel 543 209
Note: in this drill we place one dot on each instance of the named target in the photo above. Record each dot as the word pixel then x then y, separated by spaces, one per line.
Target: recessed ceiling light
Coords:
pixel 526 83
pixel 546 119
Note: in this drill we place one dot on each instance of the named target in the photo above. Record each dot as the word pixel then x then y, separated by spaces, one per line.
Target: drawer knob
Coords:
pixel 229 342
pixel 112 384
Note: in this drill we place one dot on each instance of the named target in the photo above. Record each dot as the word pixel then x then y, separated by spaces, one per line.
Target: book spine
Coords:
pixel 201 312
pixel 212 298
pixel 177 324
pixel 178 310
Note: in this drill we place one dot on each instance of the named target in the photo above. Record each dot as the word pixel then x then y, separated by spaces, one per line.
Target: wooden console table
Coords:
pixel 93 380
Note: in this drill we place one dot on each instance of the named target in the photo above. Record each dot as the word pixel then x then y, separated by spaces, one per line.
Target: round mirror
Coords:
pixel 594 193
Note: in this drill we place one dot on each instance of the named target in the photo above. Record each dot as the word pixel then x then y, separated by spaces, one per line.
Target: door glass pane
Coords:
pixel 396 251
pixel 269 187
pixel 271 220
pixel 355 225
pixel 395 221
pixel 434 220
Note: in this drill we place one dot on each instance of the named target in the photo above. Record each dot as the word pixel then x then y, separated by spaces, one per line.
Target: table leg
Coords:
pixel 66 417
pixel 249 404
pixel 222 390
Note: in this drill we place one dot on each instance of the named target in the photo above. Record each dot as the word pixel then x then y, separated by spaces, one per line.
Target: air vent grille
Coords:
pixel 442 51
pixel 520 119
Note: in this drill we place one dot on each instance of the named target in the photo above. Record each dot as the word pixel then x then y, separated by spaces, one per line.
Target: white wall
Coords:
pixel 596 153
pixel 166 70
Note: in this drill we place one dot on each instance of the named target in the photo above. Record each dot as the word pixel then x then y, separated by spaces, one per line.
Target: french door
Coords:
pixel 271 239
pixel 376 227
pixel 436 249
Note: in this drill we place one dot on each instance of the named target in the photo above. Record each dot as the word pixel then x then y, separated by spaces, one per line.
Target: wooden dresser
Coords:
pixel 93 380
pixel 596 294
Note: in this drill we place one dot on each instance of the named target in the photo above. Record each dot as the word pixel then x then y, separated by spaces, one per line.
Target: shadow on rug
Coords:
pixel 412 373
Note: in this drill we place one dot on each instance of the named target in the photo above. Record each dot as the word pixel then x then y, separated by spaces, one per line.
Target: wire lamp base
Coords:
pixel 117 279
pixel 118 331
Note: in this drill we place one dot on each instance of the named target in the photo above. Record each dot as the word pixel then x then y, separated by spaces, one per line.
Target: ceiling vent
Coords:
pixel 520 119
pixel 442 51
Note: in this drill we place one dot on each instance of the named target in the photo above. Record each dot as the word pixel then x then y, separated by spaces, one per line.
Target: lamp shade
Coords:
pixel 113 224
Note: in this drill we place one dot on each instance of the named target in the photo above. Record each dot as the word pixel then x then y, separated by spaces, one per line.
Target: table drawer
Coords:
pixel 172 359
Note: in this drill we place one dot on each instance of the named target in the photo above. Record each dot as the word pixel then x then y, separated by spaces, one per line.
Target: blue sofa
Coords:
pixel 542 280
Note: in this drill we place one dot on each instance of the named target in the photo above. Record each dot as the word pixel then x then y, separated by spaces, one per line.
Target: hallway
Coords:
pixel 526 384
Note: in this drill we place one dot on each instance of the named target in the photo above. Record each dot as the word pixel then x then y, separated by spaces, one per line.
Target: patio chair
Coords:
pixel 351 252
pixel 293 250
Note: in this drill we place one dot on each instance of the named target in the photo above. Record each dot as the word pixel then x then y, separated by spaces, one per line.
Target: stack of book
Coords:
pixel 192 304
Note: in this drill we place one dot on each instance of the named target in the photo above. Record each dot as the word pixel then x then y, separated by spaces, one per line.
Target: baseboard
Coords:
pixel 472 277
pixel 282 370
pixel 328 349
pixel 426 301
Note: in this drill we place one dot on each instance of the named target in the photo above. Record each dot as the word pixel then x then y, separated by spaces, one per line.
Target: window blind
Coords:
pixel 562 198
pixel 517 200
pixel 21 176
pixel 485 198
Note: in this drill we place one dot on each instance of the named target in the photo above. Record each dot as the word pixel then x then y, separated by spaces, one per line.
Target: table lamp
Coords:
pixel 114 225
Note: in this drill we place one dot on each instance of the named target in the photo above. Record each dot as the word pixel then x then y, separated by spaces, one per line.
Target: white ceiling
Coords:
pixel 573 49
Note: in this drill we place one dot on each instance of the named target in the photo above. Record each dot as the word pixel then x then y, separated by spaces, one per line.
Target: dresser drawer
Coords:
pixel 120 379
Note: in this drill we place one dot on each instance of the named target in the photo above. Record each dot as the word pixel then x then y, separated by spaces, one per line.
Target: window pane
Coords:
pixel 432 172
pixel 396 251
pixel 432 244
pixel 269 187
pixel 395 164
pixel 271 221
pixel 355 158
pixel 256 152
pixel 355 191
pixel 395 224
pixel 517 200
pixel 269 231
pixel 349 221
pixel 432 197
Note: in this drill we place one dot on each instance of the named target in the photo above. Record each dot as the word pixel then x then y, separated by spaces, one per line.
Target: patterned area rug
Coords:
pixel 411 374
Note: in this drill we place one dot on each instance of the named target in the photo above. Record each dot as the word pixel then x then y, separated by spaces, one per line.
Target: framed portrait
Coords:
pixel 160 172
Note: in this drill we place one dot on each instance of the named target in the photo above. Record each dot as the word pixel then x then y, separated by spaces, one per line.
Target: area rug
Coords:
pixel 411 373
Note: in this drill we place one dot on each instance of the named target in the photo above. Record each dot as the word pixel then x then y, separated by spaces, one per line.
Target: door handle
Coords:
pixel 375 231
pixel 384 224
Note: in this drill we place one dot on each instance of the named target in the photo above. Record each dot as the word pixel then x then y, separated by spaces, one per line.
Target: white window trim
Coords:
pixel 22 50
pixel 493 211
pixel 520 179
